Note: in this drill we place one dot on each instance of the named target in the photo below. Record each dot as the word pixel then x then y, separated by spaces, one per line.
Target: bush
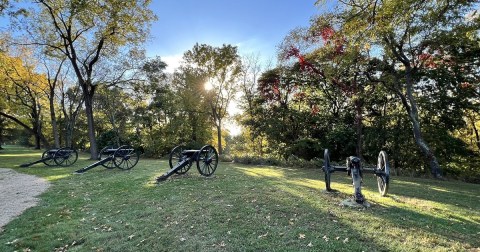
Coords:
pixel 292 161
pixel 306 149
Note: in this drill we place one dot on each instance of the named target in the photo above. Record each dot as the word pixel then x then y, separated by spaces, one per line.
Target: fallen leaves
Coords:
pixel 12 242
pixel 262 236
pixel 325 238
pixel 221 244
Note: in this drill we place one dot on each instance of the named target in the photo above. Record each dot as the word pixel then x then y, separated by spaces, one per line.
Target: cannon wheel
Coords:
pixel 383 173
pixel 176 157
pixel 48 156
pixel 207 160
pixel 125 157
pixel 104 154
pixel 326 169
pixel 65 156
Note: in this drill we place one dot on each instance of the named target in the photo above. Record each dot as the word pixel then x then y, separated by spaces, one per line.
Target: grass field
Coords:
pixel 241 208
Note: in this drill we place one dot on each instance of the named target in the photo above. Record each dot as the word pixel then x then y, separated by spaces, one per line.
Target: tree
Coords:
pixel 90 34
pixel 221 67
pixel 23 88
pixel 402 38
pixel 250 72
pixel 333 63
pixel 193 106
pixel 51 91
pixel 70 103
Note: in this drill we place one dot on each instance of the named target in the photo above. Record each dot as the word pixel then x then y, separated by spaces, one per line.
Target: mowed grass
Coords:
pixel 240 208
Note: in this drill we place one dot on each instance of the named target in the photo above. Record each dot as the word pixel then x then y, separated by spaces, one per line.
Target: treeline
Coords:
pixel 154 111
pixel 368 77
pixel 358 80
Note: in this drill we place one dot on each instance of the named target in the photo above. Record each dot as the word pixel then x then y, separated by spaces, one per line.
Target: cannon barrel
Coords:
pixel 176 168
pixel 100 162
pixel 36 162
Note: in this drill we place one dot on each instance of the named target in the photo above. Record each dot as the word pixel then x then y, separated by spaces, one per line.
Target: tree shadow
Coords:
pixel 432 208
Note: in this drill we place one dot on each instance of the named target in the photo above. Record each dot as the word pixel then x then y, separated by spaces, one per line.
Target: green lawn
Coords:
pixel 241 208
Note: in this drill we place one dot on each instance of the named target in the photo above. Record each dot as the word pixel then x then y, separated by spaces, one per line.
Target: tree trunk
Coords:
pixel 56 135
pixel 359 127
pixel 219 135
pixel 2 129
pixel 410 105
pixel 90 124
pixel 68 135
pixel 475 130
pixel 37 141
pixel 396 149
pixel 193 121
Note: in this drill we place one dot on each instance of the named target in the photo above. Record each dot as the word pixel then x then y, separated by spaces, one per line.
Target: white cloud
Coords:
pixel 173 62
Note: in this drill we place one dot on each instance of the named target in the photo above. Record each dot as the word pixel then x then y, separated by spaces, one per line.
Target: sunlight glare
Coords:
pixel 208 85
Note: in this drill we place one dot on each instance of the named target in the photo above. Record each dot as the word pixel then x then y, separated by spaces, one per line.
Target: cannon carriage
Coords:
pixel 124 157
pixel 56 157
pixel 354 168
pixel 181 160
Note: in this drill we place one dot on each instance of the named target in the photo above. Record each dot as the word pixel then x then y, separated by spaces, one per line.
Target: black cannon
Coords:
pixel 61 157
pixel 354 168
pixel 125 158
pixel 181 159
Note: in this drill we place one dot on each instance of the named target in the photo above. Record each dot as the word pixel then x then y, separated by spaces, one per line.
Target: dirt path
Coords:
pixel 18 192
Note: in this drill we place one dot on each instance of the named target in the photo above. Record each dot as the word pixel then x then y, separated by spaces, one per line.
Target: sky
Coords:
pixel 254 26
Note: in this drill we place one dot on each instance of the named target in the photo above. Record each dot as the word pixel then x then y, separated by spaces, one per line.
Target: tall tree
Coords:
pixel 70 103
pixel 190 94
pixel 23 89
pixel 402 37
pixel 250 72
pixel 54 77
pixel 89 33
pixel 333 63
pixel 222 68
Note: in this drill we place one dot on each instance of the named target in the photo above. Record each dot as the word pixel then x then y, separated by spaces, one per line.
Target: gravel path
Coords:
pixel 18 192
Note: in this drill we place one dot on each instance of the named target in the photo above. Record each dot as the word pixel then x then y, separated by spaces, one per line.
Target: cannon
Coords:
pixel 181 159
pixel 124 157
pixel 61 157
pixel 354 168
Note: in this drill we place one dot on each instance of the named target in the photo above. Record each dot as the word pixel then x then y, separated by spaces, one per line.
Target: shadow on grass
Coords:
pixel 438 212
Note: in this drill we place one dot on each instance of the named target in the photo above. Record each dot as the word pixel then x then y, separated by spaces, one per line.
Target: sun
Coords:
pixel 208 85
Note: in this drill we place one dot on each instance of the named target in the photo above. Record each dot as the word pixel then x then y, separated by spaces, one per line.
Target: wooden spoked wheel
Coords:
pixel 327 169
pixel 207 160
pixel 65 156
pixel 125 157
pixel 383 173
pixel 48 158
pixel 106 152
pixel 176 156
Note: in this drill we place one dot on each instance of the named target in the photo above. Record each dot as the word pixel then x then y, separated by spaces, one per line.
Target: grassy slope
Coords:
pixel 242 208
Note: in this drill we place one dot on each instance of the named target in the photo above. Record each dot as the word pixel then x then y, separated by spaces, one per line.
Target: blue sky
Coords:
pixel 255 26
